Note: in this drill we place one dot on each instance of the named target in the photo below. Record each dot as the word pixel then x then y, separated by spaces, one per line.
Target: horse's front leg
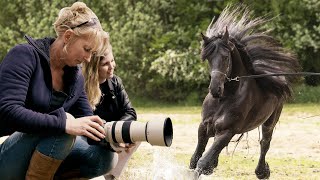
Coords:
pixel 202 143
pixel 209 161
pixel 262 170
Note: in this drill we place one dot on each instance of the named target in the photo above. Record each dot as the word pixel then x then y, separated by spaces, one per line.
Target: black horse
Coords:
pixel 235 46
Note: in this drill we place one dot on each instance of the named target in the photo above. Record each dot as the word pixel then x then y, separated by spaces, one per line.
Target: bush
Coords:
pixel 306 94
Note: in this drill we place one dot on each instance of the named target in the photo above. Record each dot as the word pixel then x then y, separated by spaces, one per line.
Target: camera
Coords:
pixel 155 132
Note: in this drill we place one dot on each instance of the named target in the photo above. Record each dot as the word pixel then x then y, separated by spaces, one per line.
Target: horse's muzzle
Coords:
pixel 216 92
pixel 216 86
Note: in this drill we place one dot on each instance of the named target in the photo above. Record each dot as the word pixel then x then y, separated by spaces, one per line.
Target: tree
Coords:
pixel 31 17
pixel 156 43
pixel 297 26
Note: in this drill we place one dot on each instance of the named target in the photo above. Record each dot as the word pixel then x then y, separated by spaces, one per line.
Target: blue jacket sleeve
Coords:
pixel 16 70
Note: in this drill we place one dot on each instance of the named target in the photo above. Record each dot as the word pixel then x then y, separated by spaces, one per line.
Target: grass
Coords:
pixel 152 162
pixel 312 108
pixel 170 109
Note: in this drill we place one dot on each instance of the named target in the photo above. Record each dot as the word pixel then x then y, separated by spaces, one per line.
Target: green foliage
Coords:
pixel 297 26
pixel 132 26
pixel 306 94
pixel 156 43
pixel 33 17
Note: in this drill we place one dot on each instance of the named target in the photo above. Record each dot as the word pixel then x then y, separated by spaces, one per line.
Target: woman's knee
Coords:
pixel 102 162
pixel 57 146
pixel 108 163
pixel 114 161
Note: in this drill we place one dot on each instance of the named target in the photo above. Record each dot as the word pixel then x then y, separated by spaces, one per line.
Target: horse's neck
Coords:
pixel 238 68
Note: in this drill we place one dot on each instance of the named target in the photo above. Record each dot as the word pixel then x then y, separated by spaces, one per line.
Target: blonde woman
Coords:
pixel 110 101
pixel 43 105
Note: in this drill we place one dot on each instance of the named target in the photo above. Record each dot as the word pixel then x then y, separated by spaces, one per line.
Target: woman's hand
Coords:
pixel 120 147
pixel 90 126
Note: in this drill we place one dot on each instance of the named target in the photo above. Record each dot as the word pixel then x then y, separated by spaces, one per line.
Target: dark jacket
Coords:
pixel 115 104
pixel 26 90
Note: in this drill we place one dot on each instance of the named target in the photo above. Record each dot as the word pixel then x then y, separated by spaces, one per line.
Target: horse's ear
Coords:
pixel 202 56
pixel 204 38
pixel 226 35
pixel 231 45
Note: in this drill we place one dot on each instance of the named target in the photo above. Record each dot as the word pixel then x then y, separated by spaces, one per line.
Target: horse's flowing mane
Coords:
pixel 264 54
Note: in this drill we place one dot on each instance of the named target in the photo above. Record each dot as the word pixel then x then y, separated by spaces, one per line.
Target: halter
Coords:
pixel 228 78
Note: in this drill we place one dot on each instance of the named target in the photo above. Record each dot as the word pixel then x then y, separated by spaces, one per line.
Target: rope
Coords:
pixel 275 74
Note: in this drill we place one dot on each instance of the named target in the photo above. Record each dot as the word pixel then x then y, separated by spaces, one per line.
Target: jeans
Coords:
pixel 16 152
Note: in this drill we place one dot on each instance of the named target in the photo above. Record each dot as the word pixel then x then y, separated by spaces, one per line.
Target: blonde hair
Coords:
pixel 91 73
pixel 83 21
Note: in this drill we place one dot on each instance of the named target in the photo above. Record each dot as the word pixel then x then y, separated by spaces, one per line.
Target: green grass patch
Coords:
pixel 175 118
pixel 305 113
pixel 312 108
pixel 301 94
pixel 301 113
pixel 289 109
pixel 152 107
pixel 170 109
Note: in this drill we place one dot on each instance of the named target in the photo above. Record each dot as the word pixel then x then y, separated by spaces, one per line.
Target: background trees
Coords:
pixel 157 42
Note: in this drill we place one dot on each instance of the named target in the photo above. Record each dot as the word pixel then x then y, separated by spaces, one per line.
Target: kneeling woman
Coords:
pixel 44 108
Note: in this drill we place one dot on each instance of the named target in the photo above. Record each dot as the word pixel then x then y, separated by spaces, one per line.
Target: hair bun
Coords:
pixel 75 15
pixel 79 7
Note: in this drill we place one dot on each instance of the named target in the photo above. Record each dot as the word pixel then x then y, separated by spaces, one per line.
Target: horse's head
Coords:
pixel 217 50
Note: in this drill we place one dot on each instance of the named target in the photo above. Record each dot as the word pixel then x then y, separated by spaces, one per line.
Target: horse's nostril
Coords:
pixel 215 94
pixel 219 90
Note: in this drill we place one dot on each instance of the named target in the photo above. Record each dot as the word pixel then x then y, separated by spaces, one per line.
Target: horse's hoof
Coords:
pixel 206 171
pixel 193 162
pixel 206 167
pixel 263 173
pixel 192 165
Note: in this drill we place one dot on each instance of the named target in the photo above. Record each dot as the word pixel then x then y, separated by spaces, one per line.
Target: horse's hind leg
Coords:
pixel 201 146
pixel 262 170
